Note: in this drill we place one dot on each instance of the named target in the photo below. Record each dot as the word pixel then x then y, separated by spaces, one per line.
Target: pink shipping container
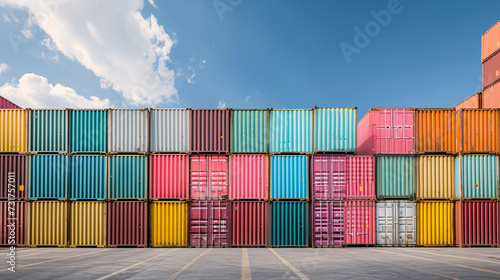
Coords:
pixel 13 170
pixel 169 176
pixel 18 230
pixel 248 177
pixel 209 224
pixel 387 131
pixel 477 223
pixel 491 70
pixel 491 97
pixel 249 223
pixel 328 224
pixel 127 223
pixel 328 177
pixel 473 102
pixel 490 42
pixel 359 222
pixel 209 130
pixel 6 104
pixel 208 177
pixel 360 177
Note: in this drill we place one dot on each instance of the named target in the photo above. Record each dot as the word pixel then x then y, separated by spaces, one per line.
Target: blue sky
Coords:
pixel 241 53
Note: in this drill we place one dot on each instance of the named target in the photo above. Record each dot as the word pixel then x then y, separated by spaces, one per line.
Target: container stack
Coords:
pixel 490 58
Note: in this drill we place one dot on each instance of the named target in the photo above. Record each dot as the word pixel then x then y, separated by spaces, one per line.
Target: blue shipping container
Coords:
pixel 476 176
pixel 335 129
pixel 127 177
pixel 49 177
pixel 289 177
pixel 291 131
pixel 88 177
pixel 88 131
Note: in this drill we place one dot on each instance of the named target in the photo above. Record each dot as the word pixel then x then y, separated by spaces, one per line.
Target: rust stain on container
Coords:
pixel 435 129
pixel 478 130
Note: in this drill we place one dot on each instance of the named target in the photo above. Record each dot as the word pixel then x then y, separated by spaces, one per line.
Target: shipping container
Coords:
pixel 396 223
pixel 128 130
pixel 436 131
pixel 13 232
pixel 291 131
pixel 289 223
pixel 435 177
pixel 477 223
pixel 490 42
pixel 476 176
pixel 359 222
pixel 491 70
pixel 328 223
pixel 87 223
pixel 48 222
pixel 208 177
pixel 289 177
pixel 387 131
pixel 88 177
pixel 13 130
pixel 335 129
pixel 435 223
pixel 127 224
pixel 479 131
pixel 249 223
pixel 209 224
pixel 88 131
pixel 49 177
pixel 169 223
pixel 395 177
pixel 169 130
pixel 49 131
pixel 6 104
pixel 491 97
pixel 210 130
pixel 249 130
pixel 249 178
pixel 169 176
pixel 328 177
pixel 14 176
pixel 473 102
pixel 360 177
pixel 127 177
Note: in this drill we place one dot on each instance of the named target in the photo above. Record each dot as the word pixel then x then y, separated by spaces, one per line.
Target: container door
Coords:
pixel 199 224
pixel 403 123
pixel 218 177
pixel 385 223
pixel 329 177
pixel 219 225
pixel 199 177
pixel 321 224
pixel 384 131
pixel 406 222
pixel 337 223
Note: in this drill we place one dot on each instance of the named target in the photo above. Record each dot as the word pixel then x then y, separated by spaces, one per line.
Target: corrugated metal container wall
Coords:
pixel 49 131
pixel 335 129
pixel 88 223
pixel 88 131
pixel 360 177
pixel 490 42
pixel 435 223
pixel 13 130
pixel 14 176
pixel 473 102
pixel 249 223
pixel 396 223
pixel 128 130
pixel 479 131
pixel 169 223
pixel 476 176
pixel 13 235
pixel 289 177
pixel 395 176
pixel 210 130
pixel 48 223
pixel 359 222
pixel 169 130
pixel 435 177
pixel 291 131
pixel 89 177
pixel 328 223
pixel 6 104
pixel 477 223
pixel 169 176
pixel 491 70
pixel 328 177
pixel 49 177
pixel 491 97
pixel 289 223
pixel 127 223
pixel 249 131
pixel 208 177
pixel 127 177
pixel 249 178
pixel 436 131
pixel 209 224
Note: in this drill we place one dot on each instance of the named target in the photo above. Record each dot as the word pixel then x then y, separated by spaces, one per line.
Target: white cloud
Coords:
pixel 55 58
pixel 33 91
pixel 190 78
pixel 27 33
pixel 4 68
pixel 247 98
pixel 6 18
pixel 203 64
pixel 152 2
pixel 221 105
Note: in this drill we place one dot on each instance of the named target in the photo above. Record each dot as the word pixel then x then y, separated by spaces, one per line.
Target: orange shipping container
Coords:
pixel 478 131
pixel 491 97
pixel 436 131
pixel 490 42
pixel 473 102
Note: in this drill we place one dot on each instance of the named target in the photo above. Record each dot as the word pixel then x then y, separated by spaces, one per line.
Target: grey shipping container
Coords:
pixel 169 130
pixel 396 223
pixel 128 130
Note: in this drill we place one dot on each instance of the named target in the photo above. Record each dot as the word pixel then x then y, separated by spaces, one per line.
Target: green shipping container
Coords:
pixel 476 176
pixel 395 177
pixel 290 223
pixel 49 131
pixel 249 131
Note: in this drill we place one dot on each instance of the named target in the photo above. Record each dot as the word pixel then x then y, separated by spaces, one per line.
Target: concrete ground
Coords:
pixel 256 263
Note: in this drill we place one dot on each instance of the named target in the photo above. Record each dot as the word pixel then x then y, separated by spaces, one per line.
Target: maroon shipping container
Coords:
pixel 328 224
pixel 328 177
pixel 477 223
pixel 127 223
pixel 491 70
pixel 360 177
pixel 209 130
pixel 208 177
pixel 249 223
pixel 6 104
pixel 359 222
pixel 169 176
pixel 209 224
pixel 13 171
pixel 249 177
pixel 13 212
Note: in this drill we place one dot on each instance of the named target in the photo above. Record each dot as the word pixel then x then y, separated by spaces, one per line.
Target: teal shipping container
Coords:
pixel 335 129
pixel 289 177
pixel 88 177
pixel 48 177
pixel 476 176
pixel 249 130
pixel 88 131
pixel 290 223
pixel 127 177
pixel 395 177
pixel 49 131
pixel 291 131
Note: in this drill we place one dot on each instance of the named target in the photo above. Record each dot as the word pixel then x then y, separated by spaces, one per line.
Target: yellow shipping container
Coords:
pixel 48 223
pixel 88 223
pixel 12 130
pixel 435 223
pixel 169 223
pixel 435 177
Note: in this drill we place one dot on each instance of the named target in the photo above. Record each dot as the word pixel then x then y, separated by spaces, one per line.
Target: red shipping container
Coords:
pixel 491 70
pixel 6 104
pixel 328 177
pixel 249 223
pixel 13 222
pixel 387 131
pixel 359 222
pixel 210 130
pixel 209 224
pixel 473 102
pixel 249 177
pixel 328 224
pixel 490 42
pixel 169 176
pixel 13 171
pixel 208 177
pixel 477 223
pixel 127 223
pixel 491 97
pixel 360 177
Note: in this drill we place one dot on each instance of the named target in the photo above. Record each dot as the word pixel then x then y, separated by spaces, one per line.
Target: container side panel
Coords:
pixel 249 131
pixel 88 131
pixel 170 130
pixel 360 177
pixel 169 223
pixel 169 176
pixel 13 175
pixel 49 131
pixel 395 176
pixel 49 177
pixel 129 131
pixel 335 129
pixel 248 177
pixel 13 130
pixel 435 177
pixel 291 131
pixel 289 177
pixel 208 177
pixel 88 177
pixel 127 177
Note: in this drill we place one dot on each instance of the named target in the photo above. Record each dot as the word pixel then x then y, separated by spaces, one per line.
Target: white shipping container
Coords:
pixel 128 130
pixel 169 130
pixel 396 223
